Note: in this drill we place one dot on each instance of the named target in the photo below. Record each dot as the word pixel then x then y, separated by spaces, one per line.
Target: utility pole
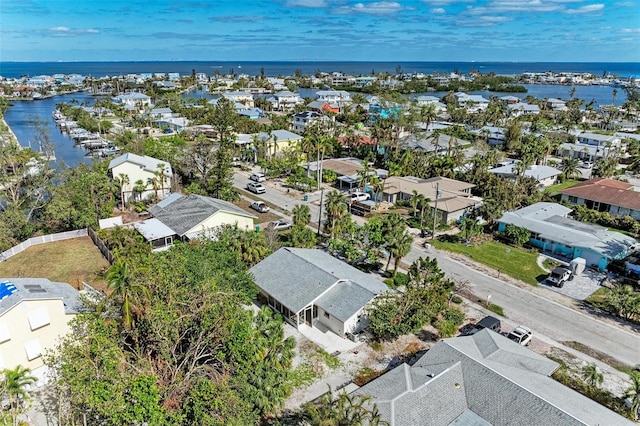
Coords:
pixel 435 211
pixel 320 213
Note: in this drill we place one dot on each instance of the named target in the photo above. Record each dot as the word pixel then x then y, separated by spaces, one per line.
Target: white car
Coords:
pixel 357 196
pixel 256 188
pixel 280 225
pixel 259 206
pixel 257 177
pixel 521 334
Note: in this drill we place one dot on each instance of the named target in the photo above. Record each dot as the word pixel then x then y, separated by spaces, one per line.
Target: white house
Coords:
pixel 285 100
pixel 545 175
pixel 309 286
pixel 244 98
pixel 339 97
pixel 141 176
pixel 133 101
pixel 34 314
pixel 305 119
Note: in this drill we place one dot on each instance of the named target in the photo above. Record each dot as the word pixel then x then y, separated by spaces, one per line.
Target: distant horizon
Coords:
pixel 323 60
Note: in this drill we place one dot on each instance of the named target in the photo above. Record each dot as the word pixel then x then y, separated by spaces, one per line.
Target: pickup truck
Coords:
pixel 559 276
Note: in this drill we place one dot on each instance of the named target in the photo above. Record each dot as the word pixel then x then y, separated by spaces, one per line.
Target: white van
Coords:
pixel 258 177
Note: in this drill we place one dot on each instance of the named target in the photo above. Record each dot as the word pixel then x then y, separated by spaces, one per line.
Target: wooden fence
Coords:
pixel 101 246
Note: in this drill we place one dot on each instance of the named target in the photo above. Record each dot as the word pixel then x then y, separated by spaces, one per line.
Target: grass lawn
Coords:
pixel 516 262
pixel 553 190
pixel 70 261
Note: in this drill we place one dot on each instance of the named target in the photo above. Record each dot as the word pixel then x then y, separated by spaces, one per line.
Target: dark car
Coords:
pixel 489 322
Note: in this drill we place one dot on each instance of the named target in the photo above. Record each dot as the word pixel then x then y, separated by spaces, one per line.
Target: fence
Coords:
pixel 41 240
pixel 101 245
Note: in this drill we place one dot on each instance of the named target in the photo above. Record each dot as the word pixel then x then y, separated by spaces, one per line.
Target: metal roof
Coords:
pixel 153 229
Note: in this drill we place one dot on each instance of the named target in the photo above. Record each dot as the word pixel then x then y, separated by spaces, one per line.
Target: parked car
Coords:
pixel 256 187
pixel 259 206
pixel 357 196
pixel 257 177
pixel 521 335
pixel 587 164
pixel 280 225
pixel 559 276
pixel 489 322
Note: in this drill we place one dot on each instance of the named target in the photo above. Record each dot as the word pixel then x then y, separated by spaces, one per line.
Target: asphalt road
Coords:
pixel 542 315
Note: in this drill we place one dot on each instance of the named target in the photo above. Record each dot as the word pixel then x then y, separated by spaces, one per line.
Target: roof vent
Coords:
pixel 35 288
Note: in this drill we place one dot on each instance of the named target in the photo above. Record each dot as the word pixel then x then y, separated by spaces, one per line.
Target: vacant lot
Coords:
pixel 70 261
pixel 516 262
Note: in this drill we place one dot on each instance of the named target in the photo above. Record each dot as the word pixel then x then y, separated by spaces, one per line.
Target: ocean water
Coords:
pixel 21 115
pixel 273 69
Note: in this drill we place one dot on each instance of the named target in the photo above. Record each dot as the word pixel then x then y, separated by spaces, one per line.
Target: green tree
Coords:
pixel 569 168
pixel 336 213
pixel 591 375
pixel 340 410
pixel 14 386
pixel 127 292
pixel 633 393
pixel 517 234
pixel 470 227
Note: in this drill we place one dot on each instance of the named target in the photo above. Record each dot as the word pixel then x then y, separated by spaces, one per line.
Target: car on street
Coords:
pixel 521 335
pixel 357 196
pixel 586 165
pixel 259 206
pixel 257 177
pixel 280 225
pixel 256 188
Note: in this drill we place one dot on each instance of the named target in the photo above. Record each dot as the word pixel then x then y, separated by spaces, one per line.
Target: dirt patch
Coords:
pixel 71 261
pixel 262 217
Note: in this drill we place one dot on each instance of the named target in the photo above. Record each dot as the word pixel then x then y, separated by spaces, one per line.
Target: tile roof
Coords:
pixel 484 379
pixel 182 213
pixel 608 191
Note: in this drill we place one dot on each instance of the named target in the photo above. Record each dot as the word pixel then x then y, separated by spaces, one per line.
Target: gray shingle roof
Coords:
pixel 181 213
pixel 38 289
pixel 479 380
pixel 297 277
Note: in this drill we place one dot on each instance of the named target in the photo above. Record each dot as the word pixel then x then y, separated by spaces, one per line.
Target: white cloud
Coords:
pixel 66 31
pixel 306 3
pixel 630 30
pixel 586 9
pixel 375 8
pixel 437 10
pixel 446 2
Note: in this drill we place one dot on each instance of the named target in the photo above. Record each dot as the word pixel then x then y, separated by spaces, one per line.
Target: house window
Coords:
pixel 573 200
pixel 38 318
pixel 326 315
pixel 33 349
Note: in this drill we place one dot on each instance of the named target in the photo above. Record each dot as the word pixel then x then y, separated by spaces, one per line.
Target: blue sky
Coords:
pixel 327 30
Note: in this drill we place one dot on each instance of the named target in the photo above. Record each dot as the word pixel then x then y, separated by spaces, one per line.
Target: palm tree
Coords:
pixel 414 201
pixel 341 410
pixel 14 385
pixel 127 291
pixel 569 168
pixel 336 211
pixel 399 247
pixel 633 393
pixel 592 375
pixel 123 181
pixel 301 215
pixel 153 182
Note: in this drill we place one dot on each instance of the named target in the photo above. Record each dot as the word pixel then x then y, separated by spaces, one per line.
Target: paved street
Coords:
pixel 536 308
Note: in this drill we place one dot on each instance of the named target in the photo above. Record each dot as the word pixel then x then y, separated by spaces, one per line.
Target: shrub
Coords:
pixel 496 309
pixel 455 315
pixel 446 328
pixel 457 300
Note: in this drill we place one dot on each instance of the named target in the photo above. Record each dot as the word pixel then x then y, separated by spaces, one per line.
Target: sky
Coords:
pixel 323 30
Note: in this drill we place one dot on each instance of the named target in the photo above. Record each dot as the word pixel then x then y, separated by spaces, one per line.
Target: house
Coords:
pixel 309 286
pixel 556 104
pixel 545 175
pixel 481 380
pixel 187 217
pixel 322 107
pixel 454 199
pixel 553 231
pixel 605 195
pixel 473 103
pixel 338 97
pixel 521 108
pixel 34 314
pixel 243 98
pixel 424 100
pixel 285 100
pixel 133 101
pixel 437 144
pixel 348 170
pixel 277 141
pixel 305 119
pixel 145 177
